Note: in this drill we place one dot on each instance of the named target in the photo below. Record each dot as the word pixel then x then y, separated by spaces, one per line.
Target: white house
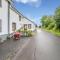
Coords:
pixel 11 20
pixel 19 21
pixel 28 24
pixel 3 19
pixel 15 20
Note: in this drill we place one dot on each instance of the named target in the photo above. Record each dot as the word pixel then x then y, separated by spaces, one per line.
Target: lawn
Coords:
pixel 57 33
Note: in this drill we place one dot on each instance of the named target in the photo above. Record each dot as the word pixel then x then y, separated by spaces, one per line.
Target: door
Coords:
pixel 13 26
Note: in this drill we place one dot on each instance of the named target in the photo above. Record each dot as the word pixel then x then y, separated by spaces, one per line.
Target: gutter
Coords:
pixel 8 18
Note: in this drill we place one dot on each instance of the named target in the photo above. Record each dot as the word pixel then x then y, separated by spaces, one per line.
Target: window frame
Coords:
pixel 19 18
pixel 0 3
pixel 25 26
pixel 29 26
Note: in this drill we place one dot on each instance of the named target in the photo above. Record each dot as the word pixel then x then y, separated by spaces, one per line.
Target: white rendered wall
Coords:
pixel 25 21
pixel 14 18
pixel 4 17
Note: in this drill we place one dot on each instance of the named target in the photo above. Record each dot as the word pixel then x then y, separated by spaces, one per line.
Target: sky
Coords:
pixel 35 9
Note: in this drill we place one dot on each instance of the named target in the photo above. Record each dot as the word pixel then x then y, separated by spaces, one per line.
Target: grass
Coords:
pixel 56 33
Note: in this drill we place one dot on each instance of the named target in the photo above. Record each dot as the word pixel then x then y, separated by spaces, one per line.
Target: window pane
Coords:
pixel 0 3
pixel 29 26
pixel 19 18
pixel 25 26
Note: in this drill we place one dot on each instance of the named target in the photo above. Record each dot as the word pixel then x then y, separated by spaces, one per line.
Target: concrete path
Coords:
pixel 44 46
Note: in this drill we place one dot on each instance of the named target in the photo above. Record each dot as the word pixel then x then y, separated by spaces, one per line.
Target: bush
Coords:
pixel 39 26
pixel 18 30
pixel 29 33
pixel 51 26
pixel 25 32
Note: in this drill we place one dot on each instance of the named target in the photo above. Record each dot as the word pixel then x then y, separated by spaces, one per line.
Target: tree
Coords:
pixel 43 20
pixel 46 20
pixel 57 18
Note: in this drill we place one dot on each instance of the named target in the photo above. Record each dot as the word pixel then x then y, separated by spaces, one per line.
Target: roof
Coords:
pixel 30 21
pixel 10 1
pixel 19 13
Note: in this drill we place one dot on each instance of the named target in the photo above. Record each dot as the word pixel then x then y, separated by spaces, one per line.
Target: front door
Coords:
pixel 13 26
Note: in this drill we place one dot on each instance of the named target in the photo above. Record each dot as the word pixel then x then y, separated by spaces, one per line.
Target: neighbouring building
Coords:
pixel 11 20
pixel 28 24
pixel 15 20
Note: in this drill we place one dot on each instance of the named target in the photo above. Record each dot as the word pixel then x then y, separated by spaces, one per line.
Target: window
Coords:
pixel 19 18
pixel 0 26
pixel 0 3
pixel 13 26
pixel 29 26
pixel 25 26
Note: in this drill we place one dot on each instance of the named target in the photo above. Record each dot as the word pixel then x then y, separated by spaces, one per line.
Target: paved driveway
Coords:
pixel 43 46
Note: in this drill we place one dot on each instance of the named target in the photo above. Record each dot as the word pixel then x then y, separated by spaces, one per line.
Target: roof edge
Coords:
pixel 19 13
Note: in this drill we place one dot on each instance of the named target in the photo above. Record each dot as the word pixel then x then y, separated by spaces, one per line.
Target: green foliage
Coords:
pixel 18 30
pixel 57 17
pixel 40 26
pixel 52 23
pixel 25 32
pixel 29 33
pixel 51 26
pixel 43 20
pixel 46 20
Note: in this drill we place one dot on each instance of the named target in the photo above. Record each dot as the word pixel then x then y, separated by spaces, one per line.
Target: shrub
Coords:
pixel 51 26
pixel 18 30
pixel 25 32
pixel 29 33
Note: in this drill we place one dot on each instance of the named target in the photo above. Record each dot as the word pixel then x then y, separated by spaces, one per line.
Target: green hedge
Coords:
pixel 27 33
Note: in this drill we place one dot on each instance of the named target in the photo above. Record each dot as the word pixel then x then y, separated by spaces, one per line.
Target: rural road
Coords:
pixel 43 46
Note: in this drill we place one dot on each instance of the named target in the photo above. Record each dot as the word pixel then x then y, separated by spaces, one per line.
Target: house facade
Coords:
pixel 12 20
pixel 3 19
pixel 15 20
pixel 28 24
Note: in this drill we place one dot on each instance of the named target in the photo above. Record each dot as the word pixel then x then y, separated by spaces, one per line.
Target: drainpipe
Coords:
pixel 8 18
